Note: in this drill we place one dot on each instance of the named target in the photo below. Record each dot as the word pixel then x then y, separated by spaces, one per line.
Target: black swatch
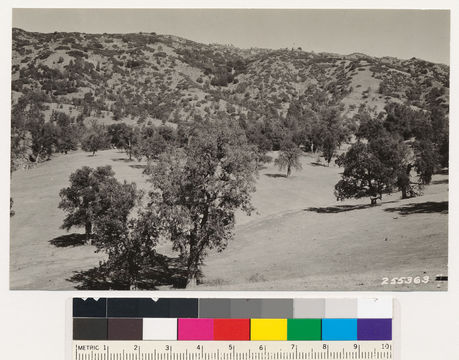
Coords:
pixel 149 308
pixel 89 307
pixel 183 308
pixel 123 307
pixel 137 308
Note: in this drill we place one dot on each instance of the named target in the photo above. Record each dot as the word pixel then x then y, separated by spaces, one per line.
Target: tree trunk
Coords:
pixel 37 159
pixel 404 194
pixel 88 231
pixel 192 268
pixel 289 170
pixel 406 183
pixel 129 150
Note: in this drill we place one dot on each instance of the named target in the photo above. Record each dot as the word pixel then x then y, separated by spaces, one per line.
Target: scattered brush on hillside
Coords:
pixel 204 117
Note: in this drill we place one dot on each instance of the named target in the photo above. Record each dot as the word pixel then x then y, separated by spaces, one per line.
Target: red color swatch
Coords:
pixel 231 329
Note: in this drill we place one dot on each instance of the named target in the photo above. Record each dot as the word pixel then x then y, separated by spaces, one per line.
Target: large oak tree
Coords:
pixel 95 194
pixel 370 169
pixel 196 190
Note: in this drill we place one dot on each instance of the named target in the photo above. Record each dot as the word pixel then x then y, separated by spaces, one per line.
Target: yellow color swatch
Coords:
pixel 268 329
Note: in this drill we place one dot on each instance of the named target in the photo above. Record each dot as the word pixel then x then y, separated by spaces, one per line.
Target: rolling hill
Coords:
pixel 300 236
pixel 135 77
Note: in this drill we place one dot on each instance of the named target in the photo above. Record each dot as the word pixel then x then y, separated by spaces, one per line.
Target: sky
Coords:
pixel 423 34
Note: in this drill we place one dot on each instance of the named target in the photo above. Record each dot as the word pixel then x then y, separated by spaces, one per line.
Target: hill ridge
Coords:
pixel 137 76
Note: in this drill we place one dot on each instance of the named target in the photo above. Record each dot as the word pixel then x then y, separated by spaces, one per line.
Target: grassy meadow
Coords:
pixel 299 237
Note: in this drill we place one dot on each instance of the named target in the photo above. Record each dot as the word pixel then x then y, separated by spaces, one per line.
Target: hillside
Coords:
pixel 277 169
pixel 136 77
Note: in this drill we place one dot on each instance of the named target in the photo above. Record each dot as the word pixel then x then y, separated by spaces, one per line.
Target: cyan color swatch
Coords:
pixel 339 329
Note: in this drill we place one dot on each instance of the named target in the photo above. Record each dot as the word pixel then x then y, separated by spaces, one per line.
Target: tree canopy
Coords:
pixel 122 136
pixel 370 169
pixel 198 189
pixel 95 139
pixel 95 195
pixel 289 157
pixel 389 147
pixel 149 143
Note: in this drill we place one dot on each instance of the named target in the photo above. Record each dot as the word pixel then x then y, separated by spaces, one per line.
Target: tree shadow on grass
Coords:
pixel 68 240
pixel 444 171
pixel 261 167
pixel 338 208
pixel 315 163
pixel 139 166
pixel 343 208
pixel 276 175
pixel 163 271
pixel 122 160
pixel 438 182
pixel 421 208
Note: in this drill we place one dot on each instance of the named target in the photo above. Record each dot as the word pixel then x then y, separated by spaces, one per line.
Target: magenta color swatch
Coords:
pixel 195 329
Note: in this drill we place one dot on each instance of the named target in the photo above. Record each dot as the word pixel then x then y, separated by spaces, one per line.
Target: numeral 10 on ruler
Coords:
pixel 226 350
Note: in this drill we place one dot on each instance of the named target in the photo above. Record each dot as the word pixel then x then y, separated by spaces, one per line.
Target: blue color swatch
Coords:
pixel 339 329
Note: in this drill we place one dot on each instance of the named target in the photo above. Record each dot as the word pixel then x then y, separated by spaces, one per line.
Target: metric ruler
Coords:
pixel 230 350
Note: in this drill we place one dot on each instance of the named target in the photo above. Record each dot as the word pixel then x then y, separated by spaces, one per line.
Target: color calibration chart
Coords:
pixel 245 329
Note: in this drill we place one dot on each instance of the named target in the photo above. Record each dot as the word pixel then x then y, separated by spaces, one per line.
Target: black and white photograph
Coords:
pixel 229 149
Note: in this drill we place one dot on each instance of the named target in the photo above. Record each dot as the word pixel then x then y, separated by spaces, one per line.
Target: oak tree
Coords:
pixel 370 169
pixel 95 139
pixel 197 190
pixel 94 194
pixel 289 157
pixel 123 137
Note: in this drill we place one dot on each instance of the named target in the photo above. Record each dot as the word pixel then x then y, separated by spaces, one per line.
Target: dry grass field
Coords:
pixel 299 238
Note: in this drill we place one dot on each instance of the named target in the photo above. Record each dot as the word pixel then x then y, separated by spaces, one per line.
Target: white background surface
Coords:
pixel 32 323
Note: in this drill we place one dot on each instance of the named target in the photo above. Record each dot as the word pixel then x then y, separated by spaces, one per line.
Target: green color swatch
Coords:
pixel 304 329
